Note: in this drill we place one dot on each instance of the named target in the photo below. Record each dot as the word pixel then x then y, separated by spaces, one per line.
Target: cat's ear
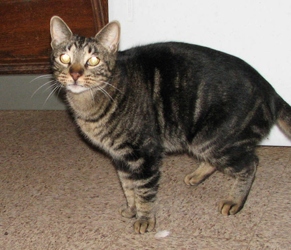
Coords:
pixel 109 36
pixel 60 32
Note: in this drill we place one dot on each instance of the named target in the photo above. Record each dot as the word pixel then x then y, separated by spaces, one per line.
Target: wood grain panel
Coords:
pixel 25 35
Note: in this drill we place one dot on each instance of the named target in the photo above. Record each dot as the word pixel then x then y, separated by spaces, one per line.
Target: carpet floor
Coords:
pixel 57 192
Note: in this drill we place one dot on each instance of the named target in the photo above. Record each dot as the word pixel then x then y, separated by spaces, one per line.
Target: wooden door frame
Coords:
pixel 100 13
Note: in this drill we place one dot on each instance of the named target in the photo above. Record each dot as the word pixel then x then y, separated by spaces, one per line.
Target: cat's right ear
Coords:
pixel 60 32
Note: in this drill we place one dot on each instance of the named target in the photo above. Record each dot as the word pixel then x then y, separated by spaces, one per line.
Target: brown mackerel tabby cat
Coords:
pixel 141 103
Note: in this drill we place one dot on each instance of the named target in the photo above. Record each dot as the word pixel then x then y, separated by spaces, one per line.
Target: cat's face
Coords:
pixel 81 64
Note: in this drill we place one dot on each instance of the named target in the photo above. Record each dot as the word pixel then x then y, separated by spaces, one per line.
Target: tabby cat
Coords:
pixel 139 104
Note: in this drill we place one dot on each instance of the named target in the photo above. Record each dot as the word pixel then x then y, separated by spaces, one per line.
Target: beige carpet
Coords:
pixel 58 193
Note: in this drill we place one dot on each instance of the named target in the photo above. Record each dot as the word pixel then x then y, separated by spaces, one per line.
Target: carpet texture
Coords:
pixel 57 192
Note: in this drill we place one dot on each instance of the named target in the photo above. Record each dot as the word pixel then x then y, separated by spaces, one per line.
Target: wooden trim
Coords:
pixel 100 13
pixel 25 68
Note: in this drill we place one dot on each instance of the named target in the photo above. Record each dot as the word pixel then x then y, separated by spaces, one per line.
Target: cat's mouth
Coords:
pixel 76 88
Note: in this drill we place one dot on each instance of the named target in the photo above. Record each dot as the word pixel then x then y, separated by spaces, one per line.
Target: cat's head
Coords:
pixel 79 63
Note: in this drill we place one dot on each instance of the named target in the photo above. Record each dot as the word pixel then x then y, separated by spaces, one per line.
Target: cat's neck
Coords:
pixel 90 104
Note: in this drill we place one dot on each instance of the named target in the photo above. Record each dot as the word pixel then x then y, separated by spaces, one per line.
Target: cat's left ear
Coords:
pixel 60 32
pixel 109 36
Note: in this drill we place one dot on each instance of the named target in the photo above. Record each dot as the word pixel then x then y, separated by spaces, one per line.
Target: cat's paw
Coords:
pixel 127 212
pixel 144 225
pixel 229 207
pixel 200 174
pixel 192 180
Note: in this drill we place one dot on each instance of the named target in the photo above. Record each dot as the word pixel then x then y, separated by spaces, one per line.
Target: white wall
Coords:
pixel 256 31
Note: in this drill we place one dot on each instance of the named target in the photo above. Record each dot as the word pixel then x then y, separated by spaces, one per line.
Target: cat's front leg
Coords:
pixel 140 191
pixel 145 197
pixel 128 210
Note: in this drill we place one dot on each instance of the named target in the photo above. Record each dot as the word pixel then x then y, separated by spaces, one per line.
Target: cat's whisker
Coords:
pixel 46 83
pixel 107 83
pixel 105 93
pixel 51 86
pixel 40 77
pixel 92 94
pixel 59 90
pixel 51 93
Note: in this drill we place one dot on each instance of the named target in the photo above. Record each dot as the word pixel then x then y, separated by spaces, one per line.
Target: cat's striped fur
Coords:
pixel 171 97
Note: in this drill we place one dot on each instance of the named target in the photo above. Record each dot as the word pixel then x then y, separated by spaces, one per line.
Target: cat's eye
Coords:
pixel 93 61
pixel 65 58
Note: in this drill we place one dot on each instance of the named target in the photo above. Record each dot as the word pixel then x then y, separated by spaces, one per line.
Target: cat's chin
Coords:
pixel 77 89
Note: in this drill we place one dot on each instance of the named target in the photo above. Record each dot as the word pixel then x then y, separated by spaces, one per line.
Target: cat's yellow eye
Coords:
pixel 93 61
pixel 65 58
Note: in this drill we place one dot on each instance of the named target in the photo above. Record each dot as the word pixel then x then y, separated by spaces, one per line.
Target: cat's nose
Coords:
pixel 76 70
pixel 75 75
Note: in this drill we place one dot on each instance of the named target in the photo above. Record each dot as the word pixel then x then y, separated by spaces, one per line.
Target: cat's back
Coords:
pixel 167 53
pixel 192 64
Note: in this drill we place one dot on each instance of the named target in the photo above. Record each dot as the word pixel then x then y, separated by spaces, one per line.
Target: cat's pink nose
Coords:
pixel 76 70
pixel 75 75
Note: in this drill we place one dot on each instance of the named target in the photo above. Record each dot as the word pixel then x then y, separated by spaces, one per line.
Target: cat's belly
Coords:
pixel 174 145
pixel 202 149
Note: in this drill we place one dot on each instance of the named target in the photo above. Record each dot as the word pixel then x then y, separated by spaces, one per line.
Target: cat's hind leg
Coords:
pixel 240 189
pixel 200 174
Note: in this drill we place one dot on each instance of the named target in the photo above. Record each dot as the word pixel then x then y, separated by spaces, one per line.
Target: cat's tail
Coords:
pixel 284 116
